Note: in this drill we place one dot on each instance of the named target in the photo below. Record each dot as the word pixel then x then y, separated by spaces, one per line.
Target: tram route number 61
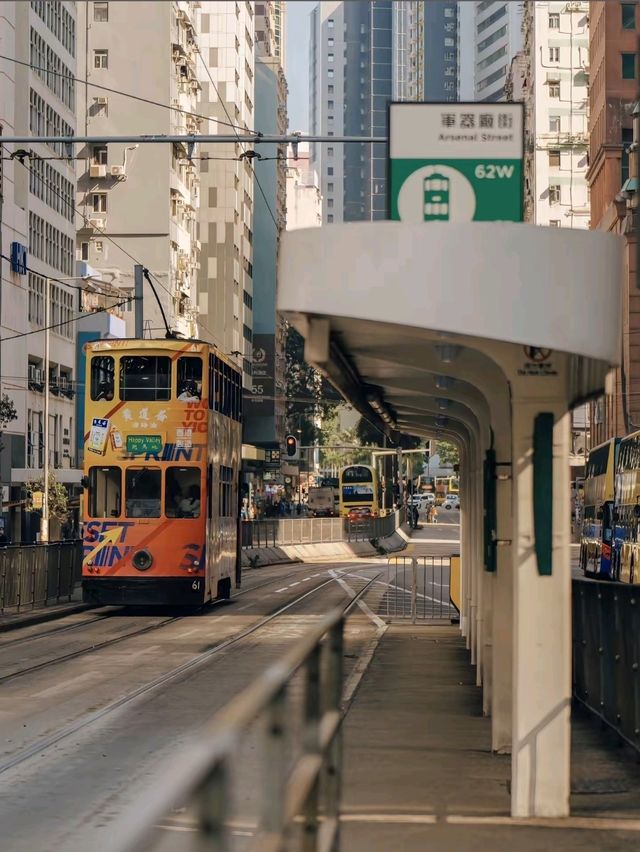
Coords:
pixel 195 585
pixel 492 171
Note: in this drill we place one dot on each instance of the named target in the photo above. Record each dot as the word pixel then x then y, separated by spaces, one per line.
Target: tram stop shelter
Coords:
pixel 487 335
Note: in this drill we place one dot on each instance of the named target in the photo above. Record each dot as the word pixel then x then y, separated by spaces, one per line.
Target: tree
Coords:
pixel 310 399
pixel 58 497
pixel 8 413
pixel 448 454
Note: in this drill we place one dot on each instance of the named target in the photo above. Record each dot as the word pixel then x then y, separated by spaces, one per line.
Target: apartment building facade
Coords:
pixel 140 204
pixel 497 38
pixel 614 28
pixel 225 279
pixel 39 240
pixel 556 69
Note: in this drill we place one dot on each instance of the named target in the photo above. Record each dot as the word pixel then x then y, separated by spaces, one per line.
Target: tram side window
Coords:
pixel 182 492
pixel 142 490
pixel 105 492
pixel 145 378
pixel 103 377
pixel 226 492
pixel 189 379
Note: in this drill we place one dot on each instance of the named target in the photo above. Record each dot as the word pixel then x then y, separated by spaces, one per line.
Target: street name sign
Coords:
pixel 456 162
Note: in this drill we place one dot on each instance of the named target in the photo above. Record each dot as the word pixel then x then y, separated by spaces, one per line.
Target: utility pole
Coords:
pixel 138 281
pixel 44 521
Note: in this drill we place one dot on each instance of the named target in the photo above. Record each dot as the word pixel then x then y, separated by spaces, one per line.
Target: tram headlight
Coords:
pixel 142 560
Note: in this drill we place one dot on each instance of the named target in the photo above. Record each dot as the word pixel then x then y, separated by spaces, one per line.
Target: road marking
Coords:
pixel 186 633
pixel 297 583
pixel 283 589
pixel 402 819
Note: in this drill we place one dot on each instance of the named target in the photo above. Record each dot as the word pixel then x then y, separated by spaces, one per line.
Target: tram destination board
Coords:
pixel 141 444
pixel 456 162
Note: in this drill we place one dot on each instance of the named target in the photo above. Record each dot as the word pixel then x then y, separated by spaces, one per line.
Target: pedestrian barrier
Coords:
pixel 418 589
pixel 279 532
pixel 300 759
pixel 606 654
pixel 34 575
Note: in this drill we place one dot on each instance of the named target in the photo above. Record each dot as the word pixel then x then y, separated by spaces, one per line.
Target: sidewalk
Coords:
pixel 419 772
pixel 40 614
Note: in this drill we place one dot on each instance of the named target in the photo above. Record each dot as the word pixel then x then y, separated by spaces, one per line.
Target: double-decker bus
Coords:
pixel 626 545
pixel 162 465
pixel 424 484
pixel 596 542
pixel 359 490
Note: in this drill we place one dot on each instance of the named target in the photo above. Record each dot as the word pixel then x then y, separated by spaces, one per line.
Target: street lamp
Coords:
pixel 44 520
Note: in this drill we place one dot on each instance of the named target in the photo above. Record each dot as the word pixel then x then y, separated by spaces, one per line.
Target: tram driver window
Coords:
pixel 182 492
pixel 105 492
pixel 145 378
pixel 103 377
pixel 142 490
pixel 189 379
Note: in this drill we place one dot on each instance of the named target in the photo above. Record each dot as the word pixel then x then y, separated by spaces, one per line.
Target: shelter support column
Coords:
pixel 465 552
pixel 541 613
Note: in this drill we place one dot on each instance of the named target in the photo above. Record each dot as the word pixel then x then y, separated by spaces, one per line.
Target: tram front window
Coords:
pixel 189 379
pixel 105 486
pixel 103 377
pixel 142 489
pixel 145 378
pixel 182 492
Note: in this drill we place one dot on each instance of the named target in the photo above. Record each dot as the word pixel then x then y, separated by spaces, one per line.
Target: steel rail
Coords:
pixel 162 680
pixel 201 770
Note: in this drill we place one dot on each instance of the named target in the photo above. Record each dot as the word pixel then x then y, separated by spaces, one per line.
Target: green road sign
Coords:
pixel 142 444
pixel 456 162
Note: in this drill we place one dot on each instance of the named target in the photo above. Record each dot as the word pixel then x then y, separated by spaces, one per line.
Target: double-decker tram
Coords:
pixel 596 542
pixel 162 465
pixel 626 545
pixel 359 490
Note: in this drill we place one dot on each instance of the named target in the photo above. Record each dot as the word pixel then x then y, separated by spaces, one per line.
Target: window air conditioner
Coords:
pixel 102 101
pixel 97 170
pixel 97 222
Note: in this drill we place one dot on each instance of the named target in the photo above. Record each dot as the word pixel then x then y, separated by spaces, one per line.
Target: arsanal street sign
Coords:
pixel 456 162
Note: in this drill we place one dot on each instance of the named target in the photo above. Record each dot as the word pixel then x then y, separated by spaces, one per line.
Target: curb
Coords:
pixel 42 616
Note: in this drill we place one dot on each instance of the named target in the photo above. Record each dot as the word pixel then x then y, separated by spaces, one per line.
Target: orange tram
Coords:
pixel 162 462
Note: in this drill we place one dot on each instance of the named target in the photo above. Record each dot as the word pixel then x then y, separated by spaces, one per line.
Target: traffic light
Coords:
pixel 291 446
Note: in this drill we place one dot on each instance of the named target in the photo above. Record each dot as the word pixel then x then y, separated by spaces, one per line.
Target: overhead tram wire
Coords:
pixel 104 234
pixel 240 142
pixel 118 92
pixel 81 316
pixel 64 283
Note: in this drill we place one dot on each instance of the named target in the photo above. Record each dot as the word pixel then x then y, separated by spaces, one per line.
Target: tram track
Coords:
pixel 44 744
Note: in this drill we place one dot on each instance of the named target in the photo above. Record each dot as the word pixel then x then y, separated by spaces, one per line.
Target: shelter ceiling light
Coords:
pixel 441 421
pixel 447 352
pixel 445 382
pixel 443 404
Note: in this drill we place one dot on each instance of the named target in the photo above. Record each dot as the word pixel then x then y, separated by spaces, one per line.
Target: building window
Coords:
pixel 628 16
pixel 101 12
pixel 84 251
pixel 448 12
pixel 628 66
pixel 331 23
pixel 554 124
pixel 330 72
pixel 330 57
pixel 330 89
pixel 99 155
pixel 330 42
pixel 554 223
pixel 554 54
pixel 330 151
pixel 330 203
pixel 329 187
pixel 554 157
pixel 554 90
pixel 329 170
pixel 330 218
pixel 100 58
pixel 554 193
pixel 99 202
pixel 554 20
pixel 330 104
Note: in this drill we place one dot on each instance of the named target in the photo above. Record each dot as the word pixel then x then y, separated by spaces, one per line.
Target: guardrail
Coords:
pixel 418 589
pixel 293 791
pixel 38 574
pixel 288 531
pixel 606 654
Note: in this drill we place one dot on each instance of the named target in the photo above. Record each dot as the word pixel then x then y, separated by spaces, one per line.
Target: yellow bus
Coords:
pixel 359 491
pixel 596 541
pixel 162 440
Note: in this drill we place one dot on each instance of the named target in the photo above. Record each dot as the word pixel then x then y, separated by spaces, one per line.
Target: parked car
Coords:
pixel 360 513
pixel 451 501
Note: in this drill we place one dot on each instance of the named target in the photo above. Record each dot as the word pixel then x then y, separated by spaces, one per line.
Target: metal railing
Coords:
pixel 418 589
pixel 34 575
pixel 289 531
pixel 606 654
pixel 304 793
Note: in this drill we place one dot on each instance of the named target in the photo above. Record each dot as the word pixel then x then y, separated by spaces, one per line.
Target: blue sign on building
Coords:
pixel 19 258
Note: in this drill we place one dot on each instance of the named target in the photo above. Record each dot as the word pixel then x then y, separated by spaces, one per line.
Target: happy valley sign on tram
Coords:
pixel 456 162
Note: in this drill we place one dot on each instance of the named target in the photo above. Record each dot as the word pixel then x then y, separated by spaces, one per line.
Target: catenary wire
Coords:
pixel 81 316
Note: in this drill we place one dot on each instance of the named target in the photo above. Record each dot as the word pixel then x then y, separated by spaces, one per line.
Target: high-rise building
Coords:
pixel 497 39
pixel 327 75
pixel 304 202
pixel 613 93
pixel 140 204
pixel 264 401
pixel 38 235
pixel 225 280
pixel 555 62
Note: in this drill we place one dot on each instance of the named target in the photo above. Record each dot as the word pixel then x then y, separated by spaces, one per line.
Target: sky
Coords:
pixel 297 62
